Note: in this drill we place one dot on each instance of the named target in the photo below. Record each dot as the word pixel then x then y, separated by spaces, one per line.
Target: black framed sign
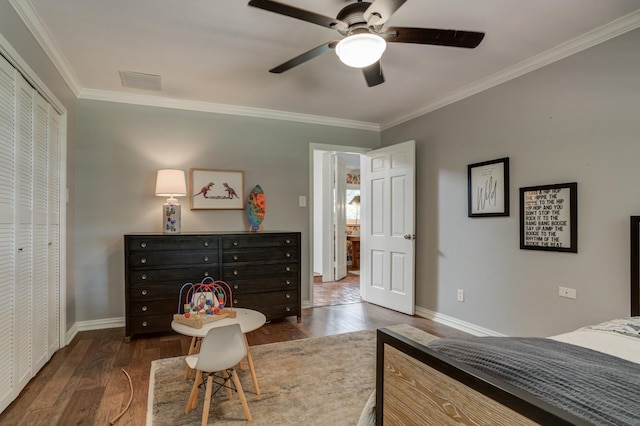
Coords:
pixel 635 266
pixel 488 188
pixel 549 217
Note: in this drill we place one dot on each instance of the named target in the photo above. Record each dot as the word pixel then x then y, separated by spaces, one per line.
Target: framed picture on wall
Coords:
pixel 549 217
pixel 216 189
pixel 488 188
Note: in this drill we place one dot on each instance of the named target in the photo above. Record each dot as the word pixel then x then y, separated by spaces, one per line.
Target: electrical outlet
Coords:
pixel 460 295
pixel 302 201
pixel 569 293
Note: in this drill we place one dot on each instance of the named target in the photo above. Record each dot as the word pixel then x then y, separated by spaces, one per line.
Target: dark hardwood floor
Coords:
pixel 83 383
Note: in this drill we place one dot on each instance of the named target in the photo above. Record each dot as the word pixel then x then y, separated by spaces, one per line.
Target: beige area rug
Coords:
pixel 318 381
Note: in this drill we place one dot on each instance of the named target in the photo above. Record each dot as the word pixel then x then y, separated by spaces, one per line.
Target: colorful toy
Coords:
pixel 204 302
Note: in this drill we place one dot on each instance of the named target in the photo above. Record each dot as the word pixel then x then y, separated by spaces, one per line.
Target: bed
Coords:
pixel 590 376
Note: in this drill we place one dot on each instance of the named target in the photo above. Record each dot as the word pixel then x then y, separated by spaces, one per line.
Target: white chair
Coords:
pixel 222 349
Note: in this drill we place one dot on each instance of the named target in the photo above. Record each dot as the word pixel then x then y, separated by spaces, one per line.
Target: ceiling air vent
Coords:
pixel 138 80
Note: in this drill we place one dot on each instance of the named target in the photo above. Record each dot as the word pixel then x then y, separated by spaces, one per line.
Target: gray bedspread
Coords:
pixel 600 388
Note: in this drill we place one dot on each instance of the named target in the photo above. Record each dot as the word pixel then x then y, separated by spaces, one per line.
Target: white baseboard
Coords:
pixel 467 327
pixel 421 312
pixel 94 325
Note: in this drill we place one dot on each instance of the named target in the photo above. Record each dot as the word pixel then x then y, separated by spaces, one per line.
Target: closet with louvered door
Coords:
pixel 30 148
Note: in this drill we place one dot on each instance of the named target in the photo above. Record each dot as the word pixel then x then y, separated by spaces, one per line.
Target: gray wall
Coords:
pixel 120 148
pixel 573 121
pixel 16 33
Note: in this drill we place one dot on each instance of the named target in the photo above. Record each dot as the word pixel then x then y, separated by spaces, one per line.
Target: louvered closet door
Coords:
pixel 7 231
pixel 24 265
pixel 40 342
pixel 53 253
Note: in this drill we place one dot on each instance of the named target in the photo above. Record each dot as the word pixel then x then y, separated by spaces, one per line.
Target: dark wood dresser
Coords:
pixel 262 268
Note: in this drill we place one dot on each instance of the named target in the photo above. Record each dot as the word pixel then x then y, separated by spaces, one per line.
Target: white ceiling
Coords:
pixel 215 54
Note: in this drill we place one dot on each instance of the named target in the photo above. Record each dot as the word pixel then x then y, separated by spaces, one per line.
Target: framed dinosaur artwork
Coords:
pixel 216 189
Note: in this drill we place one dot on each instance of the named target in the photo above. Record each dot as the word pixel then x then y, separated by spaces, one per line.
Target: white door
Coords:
pixel 327 218
pixel 340 218
pixel 53 245
pixel 8 310
pixel 388 227
pixel 24 204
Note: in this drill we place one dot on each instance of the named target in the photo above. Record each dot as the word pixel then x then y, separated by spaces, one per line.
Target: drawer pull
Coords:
pixel 144 292
pixel 206 274
pixel 288 241
pixel 288 309
pixel 287 296
pixel 235 301
pixel 143 244
pixel 235 243
pixel 235 286
pixel 143 260
pixel 144 276
pixel 206 258
pixel 144 323
pixel 235 272
pixel 235 257
pixel 288 255
pixel 288 282
pixel 206 243
pixel 144 309
pixel 288 269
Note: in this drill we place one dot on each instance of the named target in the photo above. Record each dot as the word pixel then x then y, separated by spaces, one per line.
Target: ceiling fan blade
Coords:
pixel 306 56
pixel 453 38
pixel 381 10
pixel 297 13
pixel 373 74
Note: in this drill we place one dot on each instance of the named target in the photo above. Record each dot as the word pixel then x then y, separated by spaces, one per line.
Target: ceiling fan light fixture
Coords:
pixel 360 50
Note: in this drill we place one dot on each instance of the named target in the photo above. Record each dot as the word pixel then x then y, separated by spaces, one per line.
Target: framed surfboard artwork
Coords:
pixel 256 208
pixel 216 189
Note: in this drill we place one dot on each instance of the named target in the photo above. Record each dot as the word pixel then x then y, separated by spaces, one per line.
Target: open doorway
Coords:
pixel 336 230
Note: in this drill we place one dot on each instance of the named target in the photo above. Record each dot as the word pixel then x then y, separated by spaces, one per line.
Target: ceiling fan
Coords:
pixel 362 25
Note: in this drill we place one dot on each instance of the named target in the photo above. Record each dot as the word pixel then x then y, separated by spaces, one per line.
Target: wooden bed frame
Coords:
pixel 419 386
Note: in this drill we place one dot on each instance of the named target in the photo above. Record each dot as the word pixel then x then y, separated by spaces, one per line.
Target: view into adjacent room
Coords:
pixel 337 229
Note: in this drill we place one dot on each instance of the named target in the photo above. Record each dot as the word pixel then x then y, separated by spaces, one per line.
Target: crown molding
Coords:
pixel 599 35
pixel 32 20
pixel 162 102
pixel 29 15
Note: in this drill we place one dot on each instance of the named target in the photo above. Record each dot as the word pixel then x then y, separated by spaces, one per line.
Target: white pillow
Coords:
pixel 368 415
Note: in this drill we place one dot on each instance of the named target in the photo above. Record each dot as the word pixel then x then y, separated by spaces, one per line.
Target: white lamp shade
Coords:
pixel 171 183
pixel 361 50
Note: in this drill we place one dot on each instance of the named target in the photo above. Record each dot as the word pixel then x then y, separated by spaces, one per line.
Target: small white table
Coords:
pixel 248 319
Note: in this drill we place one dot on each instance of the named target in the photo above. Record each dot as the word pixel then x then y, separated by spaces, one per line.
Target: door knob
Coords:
pixel 409 236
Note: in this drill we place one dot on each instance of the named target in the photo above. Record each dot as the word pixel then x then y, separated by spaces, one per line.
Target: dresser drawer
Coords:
pixel 141 325
pixel 285 302
pixel 243 272
pixel 259 240
pixel 173 242
pixel 179 276
pixel 154 308
pixel 265 254
pixel 265 283
pixel 279 311
pixel 178 257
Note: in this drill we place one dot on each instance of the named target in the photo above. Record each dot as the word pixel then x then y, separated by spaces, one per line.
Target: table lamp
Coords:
pixel 171 183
